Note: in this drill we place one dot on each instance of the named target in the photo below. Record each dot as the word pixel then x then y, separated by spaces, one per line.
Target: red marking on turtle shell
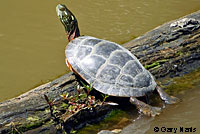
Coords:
pixel 69 66
pixel 71 69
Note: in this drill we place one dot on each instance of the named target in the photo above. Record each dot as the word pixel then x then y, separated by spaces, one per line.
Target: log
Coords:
pixel 169 50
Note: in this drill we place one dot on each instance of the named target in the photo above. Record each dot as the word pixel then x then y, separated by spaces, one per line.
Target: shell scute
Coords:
pixel 125 80
pixel 109 74
pixel 120 58
pixel 104 87
pixel 91 42
pixel 83 52
pixel 91 64
pixel 106 48
pixel 132 68
pixel 112 91
pixel 122 92
pixel 143 80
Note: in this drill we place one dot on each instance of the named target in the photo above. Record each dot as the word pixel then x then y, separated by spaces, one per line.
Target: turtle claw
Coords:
pixel 150 111
pixel 165 97
pixel 145 108
pixel 171 100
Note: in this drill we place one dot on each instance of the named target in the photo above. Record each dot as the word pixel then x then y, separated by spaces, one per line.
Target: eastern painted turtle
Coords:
pixel 109 67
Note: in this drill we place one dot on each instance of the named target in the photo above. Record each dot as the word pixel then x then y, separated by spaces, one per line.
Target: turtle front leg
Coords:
pixel 165 97
pixel 145 108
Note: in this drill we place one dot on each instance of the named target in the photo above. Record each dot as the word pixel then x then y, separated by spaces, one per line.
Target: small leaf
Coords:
pixel 64 105
pixel 73 132
pixel 47 111
pixel 34 118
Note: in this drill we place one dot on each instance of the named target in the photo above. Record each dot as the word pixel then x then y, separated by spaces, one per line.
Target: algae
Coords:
pixel 156 64
pixel 179 85
pixel 112 118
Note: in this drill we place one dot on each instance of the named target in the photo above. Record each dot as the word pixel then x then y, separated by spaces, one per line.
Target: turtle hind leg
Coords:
pixel 165 97
pixel 145 108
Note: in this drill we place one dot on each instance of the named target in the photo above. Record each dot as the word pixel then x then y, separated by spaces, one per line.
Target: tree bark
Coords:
pixel 171 49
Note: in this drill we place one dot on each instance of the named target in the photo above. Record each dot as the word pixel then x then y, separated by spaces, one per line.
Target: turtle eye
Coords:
pixel 62 9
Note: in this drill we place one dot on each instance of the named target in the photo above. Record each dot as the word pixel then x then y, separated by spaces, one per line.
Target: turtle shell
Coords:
pixel 109 67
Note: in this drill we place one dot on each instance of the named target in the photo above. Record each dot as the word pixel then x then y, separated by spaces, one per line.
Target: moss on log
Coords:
pixel 171 49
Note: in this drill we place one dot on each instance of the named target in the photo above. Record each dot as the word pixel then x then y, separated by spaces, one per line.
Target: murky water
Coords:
pixel 32 40
pixel 181 118
pixel 184 118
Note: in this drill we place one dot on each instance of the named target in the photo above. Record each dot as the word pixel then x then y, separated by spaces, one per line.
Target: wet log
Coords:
pixel 171 49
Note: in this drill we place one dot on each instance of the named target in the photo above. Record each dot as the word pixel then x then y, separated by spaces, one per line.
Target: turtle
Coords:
pixel 109 67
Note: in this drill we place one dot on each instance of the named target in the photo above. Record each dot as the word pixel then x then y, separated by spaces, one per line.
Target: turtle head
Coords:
pixel 69 21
